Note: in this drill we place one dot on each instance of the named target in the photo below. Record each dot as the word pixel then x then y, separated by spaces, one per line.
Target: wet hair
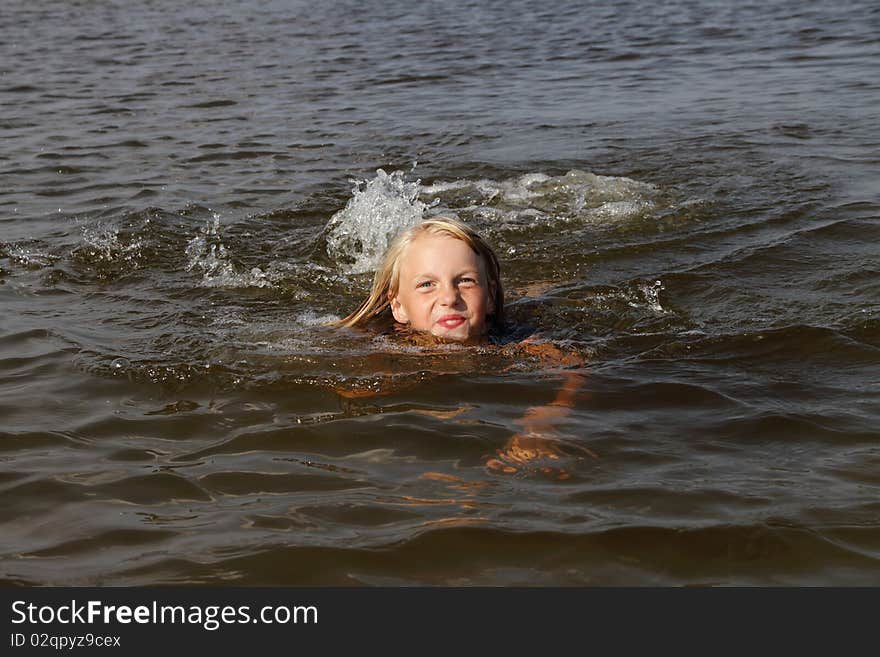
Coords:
pixel 386 282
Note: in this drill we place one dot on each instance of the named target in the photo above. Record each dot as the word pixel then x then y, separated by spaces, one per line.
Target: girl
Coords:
pixel 440 278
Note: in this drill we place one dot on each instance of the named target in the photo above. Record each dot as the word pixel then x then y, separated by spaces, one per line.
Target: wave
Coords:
pixel 771 553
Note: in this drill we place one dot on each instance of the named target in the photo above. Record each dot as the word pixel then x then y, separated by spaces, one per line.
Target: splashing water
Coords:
pixel 359 234
pixel 536 198
pixel 29 258
pixel 103 245
pixel 651 293
pixel 206 252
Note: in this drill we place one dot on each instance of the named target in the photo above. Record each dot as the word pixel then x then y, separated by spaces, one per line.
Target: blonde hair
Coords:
pixel 387 279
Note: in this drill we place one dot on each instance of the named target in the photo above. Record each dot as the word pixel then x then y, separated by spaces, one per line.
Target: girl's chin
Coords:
pixel 462 337
pixel 460 334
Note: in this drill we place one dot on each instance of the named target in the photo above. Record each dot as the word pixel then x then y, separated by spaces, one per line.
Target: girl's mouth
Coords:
pixel 451 321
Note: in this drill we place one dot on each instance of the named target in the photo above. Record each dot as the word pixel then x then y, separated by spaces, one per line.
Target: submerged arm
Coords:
pixel 539 438
pixel 541 419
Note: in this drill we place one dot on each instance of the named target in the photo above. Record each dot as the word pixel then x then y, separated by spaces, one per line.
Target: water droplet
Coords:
pixel 119 365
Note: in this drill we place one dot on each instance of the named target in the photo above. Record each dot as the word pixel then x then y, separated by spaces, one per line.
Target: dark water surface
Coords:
pixel 688 191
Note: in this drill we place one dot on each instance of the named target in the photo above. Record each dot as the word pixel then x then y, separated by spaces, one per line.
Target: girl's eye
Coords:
pixel 424 284
pixel 468 279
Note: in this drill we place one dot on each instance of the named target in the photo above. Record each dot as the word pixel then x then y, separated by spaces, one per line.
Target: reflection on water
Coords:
pixel 683 198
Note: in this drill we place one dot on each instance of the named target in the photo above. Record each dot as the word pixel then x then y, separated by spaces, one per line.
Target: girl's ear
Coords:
pixel 398 310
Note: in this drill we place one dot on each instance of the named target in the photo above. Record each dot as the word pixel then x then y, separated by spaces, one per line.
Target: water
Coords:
pixel 687 191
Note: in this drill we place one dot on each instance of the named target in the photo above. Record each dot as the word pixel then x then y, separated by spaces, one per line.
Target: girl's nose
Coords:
pixel 449 295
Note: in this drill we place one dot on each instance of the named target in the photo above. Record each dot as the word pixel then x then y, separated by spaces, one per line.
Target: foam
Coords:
pixel 358 235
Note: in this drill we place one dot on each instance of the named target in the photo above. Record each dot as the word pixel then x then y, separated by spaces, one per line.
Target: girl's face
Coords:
pixel 443 289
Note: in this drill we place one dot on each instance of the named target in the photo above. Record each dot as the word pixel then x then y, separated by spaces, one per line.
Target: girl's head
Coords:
pixel 440 277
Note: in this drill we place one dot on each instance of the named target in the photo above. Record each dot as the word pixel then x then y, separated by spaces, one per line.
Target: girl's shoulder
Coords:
pixel 522 347
pixel 549 353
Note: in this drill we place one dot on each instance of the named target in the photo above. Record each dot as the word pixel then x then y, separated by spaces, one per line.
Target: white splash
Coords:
pixel 651 295
pixel 101 244
pixel 206 252
pixel 359 234
pixel 30 259
pixel 311 318
pixel 576 195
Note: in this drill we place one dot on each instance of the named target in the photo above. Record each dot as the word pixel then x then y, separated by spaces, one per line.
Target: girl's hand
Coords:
pixel 528 451
pixel 538 443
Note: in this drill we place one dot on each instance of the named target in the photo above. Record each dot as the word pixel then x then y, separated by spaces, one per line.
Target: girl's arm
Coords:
pixel 538 440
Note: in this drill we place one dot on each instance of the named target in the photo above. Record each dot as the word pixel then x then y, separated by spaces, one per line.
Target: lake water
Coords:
pixel 687 191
